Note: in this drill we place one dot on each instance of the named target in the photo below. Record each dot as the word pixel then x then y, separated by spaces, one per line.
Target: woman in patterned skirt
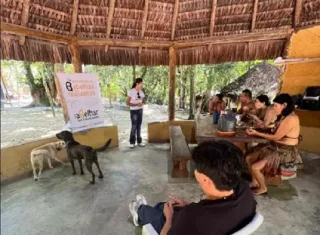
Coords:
pixel 282 147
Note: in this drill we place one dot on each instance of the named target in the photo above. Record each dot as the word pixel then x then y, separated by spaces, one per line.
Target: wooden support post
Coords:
pixel 58 68
pixel 174 18
pixel 297 12
pixel 76 61
pixel 172 82
pixel 254 15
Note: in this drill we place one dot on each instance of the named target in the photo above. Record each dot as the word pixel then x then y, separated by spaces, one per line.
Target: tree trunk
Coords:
pixel 133 73
pixel 192 98
pixel 182 90
pixel 37 89
pixel 46 87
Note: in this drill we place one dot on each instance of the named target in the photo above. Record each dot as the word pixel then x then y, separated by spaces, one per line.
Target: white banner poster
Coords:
pixel 81 95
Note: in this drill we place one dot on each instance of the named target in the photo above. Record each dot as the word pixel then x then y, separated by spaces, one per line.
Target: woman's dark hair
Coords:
pixel 285 99
pixel 221 161
pixel 137 81
pixel 264 99
pixel 220 96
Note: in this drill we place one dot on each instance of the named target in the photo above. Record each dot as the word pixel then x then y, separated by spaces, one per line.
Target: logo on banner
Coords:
pixel 69 85
pixel 86 115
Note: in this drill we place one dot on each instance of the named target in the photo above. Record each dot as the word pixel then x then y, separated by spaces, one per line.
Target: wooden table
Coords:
pixel 206 130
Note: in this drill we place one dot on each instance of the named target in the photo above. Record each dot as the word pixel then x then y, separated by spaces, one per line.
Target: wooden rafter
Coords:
pixel 110 17
pixel 213 17
pixel 24 18
pixel 254 15
pixel 74 17
pixel 144 18
pixel 297 13
pixel 174 18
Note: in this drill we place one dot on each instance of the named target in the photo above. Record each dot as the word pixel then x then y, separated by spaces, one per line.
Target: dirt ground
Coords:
pixel 21 125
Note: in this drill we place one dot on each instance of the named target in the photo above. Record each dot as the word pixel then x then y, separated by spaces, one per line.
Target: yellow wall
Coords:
pixel 158 132
pixel 15 160
pixel 297 77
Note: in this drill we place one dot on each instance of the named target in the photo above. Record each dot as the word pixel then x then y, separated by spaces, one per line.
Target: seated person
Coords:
pixel 217 104
pixel 229 204
pixel 264 115
pixel 246 102
pixel 281 149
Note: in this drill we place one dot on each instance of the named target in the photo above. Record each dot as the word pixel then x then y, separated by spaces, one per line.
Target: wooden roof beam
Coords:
pixel 24 19
pixel 23 31
pixel 74 17
pixel 236 38
pixel 124 43
pixel 110 12
pixel 213 17
pixel 174 18
pixel 297 13
pixel 254 15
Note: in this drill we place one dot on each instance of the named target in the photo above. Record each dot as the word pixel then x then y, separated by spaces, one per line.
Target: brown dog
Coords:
pixel 48 151
pixel 75 150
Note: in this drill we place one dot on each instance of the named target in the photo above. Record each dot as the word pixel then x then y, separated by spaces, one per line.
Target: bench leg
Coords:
pixel 180 169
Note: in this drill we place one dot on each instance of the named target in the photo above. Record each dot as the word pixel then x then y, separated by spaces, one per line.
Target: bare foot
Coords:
pixel 260 191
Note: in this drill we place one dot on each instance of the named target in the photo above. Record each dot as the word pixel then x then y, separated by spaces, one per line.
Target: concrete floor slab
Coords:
pixel 64 204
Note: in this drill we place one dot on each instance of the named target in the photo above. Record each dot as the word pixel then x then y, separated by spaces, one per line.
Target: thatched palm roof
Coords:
pixel 141 31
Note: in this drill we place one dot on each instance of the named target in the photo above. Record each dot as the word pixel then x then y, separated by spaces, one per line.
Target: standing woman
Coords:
pixel 136 101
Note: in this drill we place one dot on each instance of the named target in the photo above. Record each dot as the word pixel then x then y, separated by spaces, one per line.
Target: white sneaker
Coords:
pixel 142 145
pixel 133 207
pixel 131 146
pixel 141 200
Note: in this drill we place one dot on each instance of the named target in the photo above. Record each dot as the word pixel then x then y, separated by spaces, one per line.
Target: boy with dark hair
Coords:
pixel 229 204
pixel 246 102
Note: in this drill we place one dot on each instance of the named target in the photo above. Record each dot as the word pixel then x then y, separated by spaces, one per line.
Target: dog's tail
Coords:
pixel 104 146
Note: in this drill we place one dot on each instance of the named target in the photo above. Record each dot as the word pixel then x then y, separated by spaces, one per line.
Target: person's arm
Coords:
pixel 223 106
pixel 130 104
pixel 168 213
pixel 211 106
pixel 285 126
pixel 268 118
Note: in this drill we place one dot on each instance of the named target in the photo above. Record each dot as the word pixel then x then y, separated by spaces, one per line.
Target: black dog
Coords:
pixel 75 150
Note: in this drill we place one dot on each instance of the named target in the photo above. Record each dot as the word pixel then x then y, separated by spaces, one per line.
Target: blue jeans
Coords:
pixel 152 215
pixel 136 121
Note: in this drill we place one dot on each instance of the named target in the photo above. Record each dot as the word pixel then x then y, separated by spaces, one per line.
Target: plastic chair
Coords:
pixel 252 226
pixel 247 230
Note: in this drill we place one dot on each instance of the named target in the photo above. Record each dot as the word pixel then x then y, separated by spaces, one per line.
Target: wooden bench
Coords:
pixel 180 152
